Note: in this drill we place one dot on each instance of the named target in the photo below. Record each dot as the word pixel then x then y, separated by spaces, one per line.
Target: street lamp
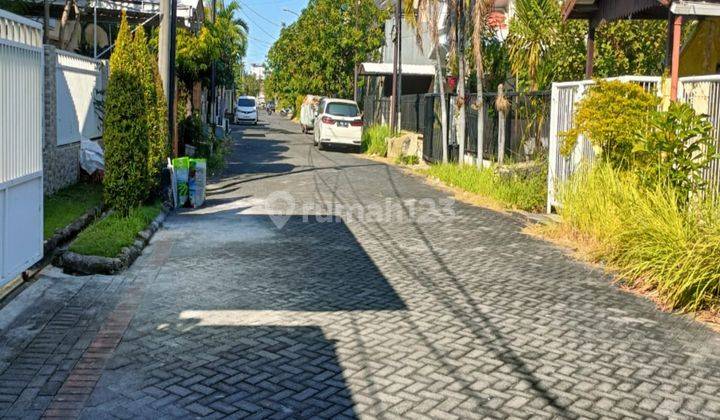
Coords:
pixel 291 11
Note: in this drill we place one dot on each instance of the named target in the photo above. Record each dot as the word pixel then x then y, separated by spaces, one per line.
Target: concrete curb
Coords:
pixel 69 232
pixel 74 263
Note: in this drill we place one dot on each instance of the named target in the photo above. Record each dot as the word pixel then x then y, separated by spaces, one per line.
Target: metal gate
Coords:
pixel 21 134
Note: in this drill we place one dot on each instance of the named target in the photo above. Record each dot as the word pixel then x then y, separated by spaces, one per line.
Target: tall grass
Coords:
pixel 512 190
pixel 643 233
pixel 373 140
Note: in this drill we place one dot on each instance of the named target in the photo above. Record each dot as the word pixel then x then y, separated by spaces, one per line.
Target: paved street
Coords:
pixel 406 305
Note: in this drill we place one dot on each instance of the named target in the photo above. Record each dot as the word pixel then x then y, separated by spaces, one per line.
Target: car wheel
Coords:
pixel 321 146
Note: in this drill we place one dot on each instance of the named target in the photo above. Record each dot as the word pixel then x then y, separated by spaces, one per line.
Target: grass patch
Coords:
pixel 373 140
pixel 642 233
pixel 523 192
pixel 106 237
pixel 407 160
pixel 66 205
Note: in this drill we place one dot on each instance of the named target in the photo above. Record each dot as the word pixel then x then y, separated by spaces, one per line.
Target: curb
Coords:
pixel 69 232
pixel 74 263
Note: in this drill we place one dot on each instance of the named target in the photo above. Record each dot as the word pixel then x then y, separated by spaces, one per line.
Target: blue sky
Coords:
pixel 264 18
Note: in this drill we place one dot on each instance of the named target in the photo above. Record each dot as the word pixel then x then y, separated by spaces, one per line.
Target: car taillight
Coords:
pixel 357 123
pixel 328 120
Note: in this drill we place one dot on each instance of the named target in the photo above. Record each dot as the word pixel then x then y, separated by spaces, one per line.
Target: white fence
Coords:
pixel 79 82
pixel 703 93
pixel 21 135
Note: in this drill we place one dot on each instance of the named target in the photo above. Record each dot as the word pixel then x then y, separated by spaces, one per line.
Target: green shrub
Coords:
pixel 646 235
pixel 126 129
pixel 610 116
pixel 675 149
pixel 155 106
pixel 520 190
pixel 373 140
pixel 193 130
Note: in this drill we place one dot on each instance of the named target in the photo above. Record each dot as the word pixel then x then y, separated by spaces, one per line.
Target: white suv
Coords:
pixel 246 110
pixel 338 122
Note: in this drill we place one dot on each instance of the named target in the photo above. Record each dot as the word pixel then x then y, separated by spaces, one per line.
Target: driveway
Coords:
pixel 320 284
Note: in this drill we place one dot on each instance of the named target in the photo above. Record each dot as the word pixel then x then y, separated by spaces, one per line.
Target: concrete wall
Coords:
pixel 60 163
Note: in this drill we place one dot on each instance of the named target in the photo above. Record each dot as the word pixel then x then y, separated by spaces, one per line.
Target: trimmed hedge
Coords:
pixel 126 129
pixel 136 132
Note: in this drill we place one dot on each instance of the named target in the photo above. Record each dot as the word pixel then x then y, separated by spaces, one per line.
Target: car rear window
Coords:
pixel 246 102
pixel 341 109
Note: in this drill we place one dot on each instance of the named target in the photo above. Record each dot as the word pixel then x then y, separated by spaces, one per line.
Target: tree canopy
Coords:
pixel 543 48
pixel 223 42
pixel 317 53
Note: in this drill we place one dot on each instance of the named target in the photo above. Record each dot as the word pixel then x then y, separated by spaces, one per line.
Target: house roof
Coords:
pixel 379 69
pixel 610 10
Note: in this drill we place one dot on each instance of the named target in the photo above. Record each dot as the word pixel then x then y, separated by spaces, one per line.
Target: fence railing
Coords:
pixel 526 125
pixel 21 135
pixel 80 82
pixel 703 94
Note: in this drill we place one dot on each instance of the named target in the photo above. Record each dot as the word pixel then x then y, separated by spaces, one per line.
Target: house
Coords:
pixel 91 26
pixel 701 53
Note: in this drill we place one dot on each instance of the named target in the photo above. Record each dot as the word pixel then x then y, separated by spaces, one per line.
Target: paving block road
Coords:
pixel 318 284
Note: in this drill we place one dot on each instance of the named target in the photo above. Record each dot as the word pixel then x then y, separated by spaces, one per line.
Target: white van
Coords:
pixel 338 122
pixel 246 110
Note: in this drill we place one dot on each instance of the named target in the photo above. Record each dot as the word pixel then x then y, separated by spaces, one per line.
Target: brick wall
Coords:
pixel 60 163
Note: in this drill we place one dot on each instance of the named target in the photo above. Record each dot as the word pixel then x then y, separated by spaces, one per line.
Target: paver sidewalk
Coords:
pixel 449 315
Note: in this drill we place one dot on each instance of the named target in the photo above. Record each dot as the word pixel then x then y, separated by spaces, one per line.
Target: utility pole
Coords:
pixel 46 21
pixel 394 105
pixel 211 94
pixel 398 19
pixel 355 68
pixel 166 64
pixel 95 28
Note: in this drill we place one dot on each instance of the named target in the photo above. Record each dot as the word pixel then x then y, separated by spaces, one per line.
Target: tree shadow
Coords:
pixel 276 263
pixel 186 369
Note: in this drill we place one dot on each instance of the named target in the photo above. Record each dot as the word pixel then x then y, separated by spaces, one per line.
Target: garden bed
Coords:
pixel 111 244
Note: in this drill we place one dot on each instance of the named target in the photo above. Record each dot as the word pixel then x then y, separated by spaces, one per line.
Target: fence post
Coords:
pixel 552 147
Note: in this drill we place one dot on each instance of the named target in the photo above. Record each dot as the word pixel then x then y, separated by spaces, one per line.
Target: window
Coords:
pixel 342 109
pixel 246 102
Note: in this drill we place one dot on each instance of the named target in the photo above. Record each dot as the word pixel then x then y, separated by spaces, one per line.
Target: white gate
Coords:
pixel 78 82
pixel 21 134
pixel 565 96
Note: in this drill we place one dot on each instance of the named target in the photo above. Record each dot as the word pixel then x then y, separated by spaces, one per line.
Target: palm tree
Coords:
pixel 428 15
pixel 480 12
pixel 533 31
pixel 532 34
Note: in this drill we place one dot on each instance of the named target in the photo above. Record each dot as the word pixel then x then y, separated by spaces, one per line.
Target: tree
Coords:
pixel 533 32
pixel 544 49
pixel 146 68
pixel 223 42
pixel 317 53
pixel 428 18
pixel 247 83
pixel 126 128
pixel 480 12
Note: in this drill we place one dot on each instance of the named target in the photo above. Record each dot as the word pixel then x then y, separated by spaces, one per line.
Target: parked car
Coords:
pixel 338 122
pixel 246 110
